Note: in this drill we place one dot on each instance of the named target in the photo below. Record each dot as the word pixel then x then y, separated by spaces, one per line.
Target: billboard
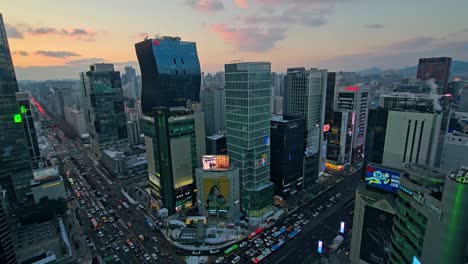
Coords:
pixel 375 240
pixel 216 194
pixel 385 179
pixel 215 162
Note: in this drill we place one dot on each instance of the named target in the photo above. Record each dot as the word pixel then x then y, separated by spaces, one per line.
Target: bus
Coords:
pixel 277 245
pixel 228 252
pixel 279 232
pixel 255 233
pixel 294 233
pixel 94 223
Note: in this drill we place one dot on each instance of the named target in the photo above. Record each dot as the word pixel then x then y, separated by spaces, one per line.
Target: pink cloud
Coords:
pixel 205 5
pixel 241 3
pixel 249 39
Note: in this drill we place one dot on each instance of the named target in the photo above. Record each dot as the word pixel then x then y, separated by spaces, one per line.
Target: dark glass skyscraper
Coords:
pixel 437 69
pixel 170 72
pixel 15 162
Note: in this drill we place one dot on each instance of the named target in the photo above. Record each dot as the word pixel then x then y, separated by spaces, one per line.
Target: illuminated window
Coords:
pixel 17 118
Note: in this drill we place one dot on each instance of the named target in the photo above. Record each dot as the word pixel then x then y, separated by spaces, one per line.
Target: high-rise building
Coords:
pixel 374 210
pixel 213 99
pixel 76 119
pixel 175 143
pixel 376 131
pixel 354 100
pixel 287 154
pixel 216 144
pixel 134 133
pixel 455 151
pixel 7 249
pixel 130 84
pixel 277 105
pixel 101 91
pixel 170 72
pixel 416 128
pixel 29 129
pixel 304 96
pixel 437 69
pixel 15 162
pixel 248 92
pixel 429 224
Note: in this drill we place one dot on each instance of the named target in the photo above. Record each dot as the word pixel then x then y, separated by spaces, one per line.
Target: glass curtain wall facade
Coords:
pixel 15 162
pixel 248 102
pixel 213 99
pixel 102 95
pixel 7 249
pixel 30 130
pixel 170 72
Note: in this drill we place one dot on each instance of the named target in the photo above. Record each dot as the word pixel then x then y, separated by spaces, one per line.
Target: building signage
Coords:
pixel 215 162
pixel 382 178
pixel 216 194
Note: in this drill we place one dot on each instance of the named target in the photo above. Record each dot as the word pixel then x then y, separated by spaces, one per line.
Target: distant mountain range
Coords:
pixel 458 69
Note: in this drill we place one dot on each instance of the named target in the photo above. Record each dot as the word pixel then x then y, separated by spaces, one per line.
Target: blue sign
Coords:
pixel 382 178
pixel 416 260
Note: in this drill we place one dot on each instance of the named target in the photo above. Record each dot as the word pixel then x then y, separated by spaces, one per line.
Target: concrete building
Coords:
pixel 134 133
pixel 121 165
pixel 216 144
pixel 76 119
pixel 304 96
pixel 48 183
pixel 218 194
pixel 101 91
pixel 7 249
pixel 15 161
pixel 354 100
pixel 374 211
pixel 431 216
pixel 416 128
pixel 170 72
pixel 248 92
pixel 287 154
pixel 130 84
pixel 276 105
pixel 455 153
pixel 175 143
pixel 213 99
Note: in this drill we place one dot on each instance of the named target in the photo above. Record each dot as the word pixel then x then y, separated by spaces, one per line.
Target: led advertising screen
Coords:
pixel 375 240
pixel 216 194
pixel 382 178
pixel 215 162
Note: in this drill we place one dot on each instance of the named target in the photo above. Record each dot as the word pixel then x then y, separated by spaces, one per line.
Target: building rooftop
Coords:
pixel 215 136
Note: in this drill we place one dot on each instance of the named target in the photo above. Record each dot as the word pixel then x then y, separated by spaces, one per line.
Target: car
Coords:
pixel 129 224
pixel 236 259
pixel 121 232
pixel 146 256
pixel 329 205
pixel 214 251
pixel 125 249
pixel 196 252
pixel 154 256
pixel 243 244
pixel 219 260
pixel 154 239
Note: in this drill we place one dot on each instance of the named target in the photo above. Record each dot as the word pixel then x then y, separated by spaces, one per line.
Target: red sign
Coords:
pixel 326 128
pixel 156 42
pixel 352 88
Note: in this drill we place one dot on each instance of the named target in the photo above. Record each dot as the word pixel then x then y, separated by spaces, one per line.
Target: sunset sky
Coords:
pixel 54 39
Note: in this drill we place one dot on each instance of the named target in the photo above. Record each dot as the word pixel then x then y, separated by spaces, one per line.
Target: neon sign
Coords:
pixel 326 128
pixel 382 178
pixel 352 88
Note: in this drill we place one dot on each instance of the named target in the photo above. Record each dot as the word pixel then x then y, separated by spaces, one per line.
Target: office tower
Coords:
pixel 437 69
pixel 101 91
pixel 137 109
pixel 29 129
pixel 416 128
pixel 218 193
pixel 354 100
pixel 431 216
pixel 133 131
pixel 76 119
pixel 170 72
pixel 276 105
pixel 304 96
pixel 216 144
pixel 376 132
pixel 175 143
pixel 248 95
pixel 287 154
pixel 130 84
pixel 339 143
pixel 213 79
pixel 330 98
pixel 213 99
pixel 374 210
pixel 15 162
pixel 455 151
pixel 7 250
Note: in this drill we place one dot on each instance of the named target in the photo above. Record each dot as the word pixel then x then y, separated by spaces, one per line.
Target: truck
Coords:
pixel 150 224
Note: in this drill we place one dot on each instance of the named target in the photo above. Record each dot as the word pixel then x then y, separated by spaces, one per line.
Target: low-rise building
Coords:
pixel 48 183
pixel 122 165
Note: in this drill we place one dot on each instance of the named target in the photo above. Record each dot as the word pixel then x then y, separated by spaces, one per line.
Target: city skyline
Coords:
pixel 335 35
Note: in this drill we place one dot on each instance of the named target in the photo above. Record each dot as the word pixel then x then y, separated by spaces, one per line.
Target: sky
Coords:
pixel 56 39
